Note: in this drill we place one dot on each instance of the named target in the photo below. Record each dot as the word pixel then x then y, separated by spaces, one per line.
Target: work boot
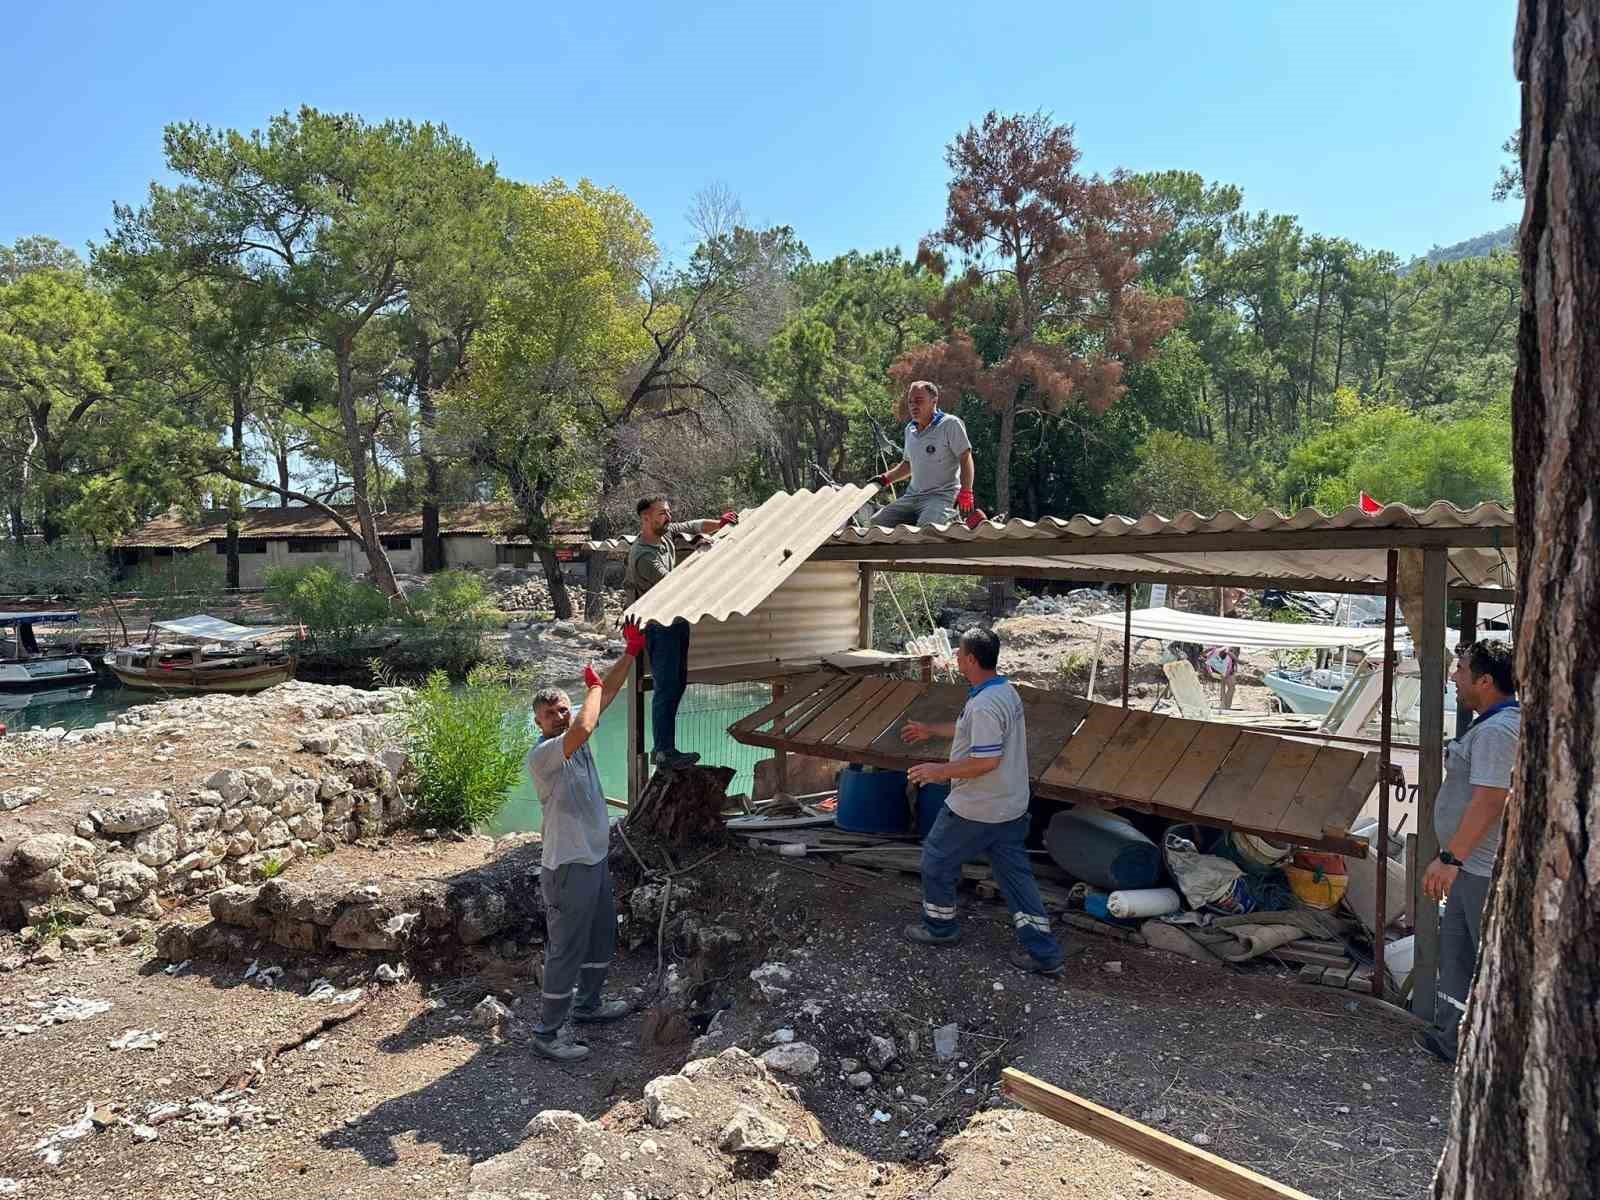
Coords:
pixel 674 760
pixel 557 1048
pixel 1431 1041
pixel 1025 961
pixel 603 1013
pixel 924 936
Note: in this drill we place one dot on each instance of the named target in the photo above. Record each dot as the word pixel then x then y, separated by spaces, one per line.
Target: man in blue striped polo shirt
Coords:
pixel 987 811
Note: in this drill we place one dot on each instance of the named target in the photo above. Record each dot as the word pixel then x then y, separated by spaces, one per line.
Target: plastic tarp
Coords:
pixel 38 618
pixel 1170 625
pixel 215 629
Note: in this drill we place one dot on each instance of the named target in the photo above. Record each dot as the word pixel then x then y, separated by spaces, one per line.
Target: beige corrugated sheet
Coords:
pixel 811 613
pixel 746 563
pixel 1473 566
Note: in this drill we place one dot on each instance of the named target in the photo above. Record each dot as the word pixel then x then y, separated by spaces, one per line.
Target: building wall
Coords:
pixel 815 611
pixel 467 550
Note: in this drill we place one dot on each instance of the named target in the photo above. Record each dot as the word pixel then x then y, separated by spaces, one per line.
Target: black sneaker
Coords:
pixel 924 936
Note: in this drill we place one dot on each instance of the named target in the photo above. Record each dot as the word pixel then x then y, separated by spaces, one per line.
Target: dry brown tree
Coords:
pixel 1067 246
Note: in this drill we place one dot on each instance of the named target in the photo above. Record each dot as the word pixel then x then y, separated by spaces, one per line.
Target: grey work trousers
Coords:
pixel 936 509
pixel 580 938
pixel 1460 933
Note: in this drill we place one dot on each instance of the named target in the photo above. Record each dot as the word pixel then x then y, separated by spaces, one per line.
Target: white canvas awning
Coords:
pixel 215 629
pixel 1170 625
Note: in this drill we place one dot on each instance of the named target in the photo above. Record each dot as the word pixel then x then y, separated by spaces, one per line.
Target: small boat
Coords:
pixel 204 654
pixel 1314 691
pixel 17 701
pixel 27 666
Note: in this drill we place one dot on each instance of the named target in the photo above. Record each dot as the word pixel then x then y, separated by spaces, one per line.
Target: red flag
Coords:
pixel 1369 505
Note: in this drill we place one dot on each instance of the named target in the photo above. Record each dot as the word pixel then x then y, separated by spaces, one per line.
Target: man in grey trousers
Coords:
pixel 580 913
pixel 1467 817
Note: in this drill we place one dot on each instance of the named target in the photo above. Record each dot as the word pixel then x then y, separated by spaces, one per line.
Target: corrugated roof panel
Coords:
pixel 746 562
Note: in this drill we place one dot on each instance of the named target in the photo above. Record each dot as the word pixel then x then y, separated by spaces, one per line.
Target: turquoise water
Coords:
pixel 703 722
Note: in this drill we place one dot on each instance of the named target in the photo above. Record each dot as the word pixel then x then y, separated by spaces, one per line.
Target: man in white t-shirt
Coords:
pixel 938 461
pixel 580 913
pixel 986 812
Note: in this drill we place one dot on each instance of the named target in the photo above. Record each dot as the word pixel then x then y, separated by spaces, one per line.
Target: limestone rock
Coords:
pixel 860 1080
pixel 124 880
pixel 14 798
pixel 483 914
pixel 489 1013
pixel 41 852
pixel 752 1131
pixel 793 1058
pixel 157 846
pixel 132 816
pixel 881 1052
pixel 230 785
pixel 553 1120
pixel 274 833
pixel 664 1099
pixel 369 927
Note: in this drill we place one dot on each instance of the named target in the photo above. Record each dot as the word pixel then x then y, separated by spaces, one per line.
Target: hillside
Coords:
pixel 1478 247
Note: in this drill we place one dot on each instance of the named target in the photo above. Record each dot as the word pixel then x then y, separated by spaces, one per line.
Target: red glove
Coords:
pixel 881 480
pixel 632 637
pixel 730 518
pixel 590 678
pixel 964 501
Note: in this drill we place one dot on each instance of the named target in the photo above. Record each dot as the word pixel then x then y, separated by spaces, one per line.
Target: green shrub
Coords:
pixel 468 746
pixel 1175 473
pixel 336 610
pixel 445 621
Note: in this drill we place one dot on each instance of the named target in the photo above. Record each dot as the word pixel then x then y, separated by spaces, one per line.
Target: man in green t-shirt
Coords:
pixel 651 556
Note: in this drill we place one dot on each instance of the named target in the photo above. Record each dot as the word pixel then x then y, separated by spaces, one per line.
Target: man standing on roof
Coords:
pixel 986 812
pixel 938 461
pixel 580 914
pixel 650 557
pixel 1467 817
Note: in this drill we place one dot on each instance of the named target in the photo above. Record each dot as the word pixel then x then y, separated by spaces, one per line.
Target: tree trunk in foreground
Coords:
pixel 1527 1103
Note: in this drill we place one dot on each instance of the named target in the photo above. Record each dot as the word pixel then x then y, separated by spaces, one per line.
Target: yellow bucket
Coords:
pixel 1317 880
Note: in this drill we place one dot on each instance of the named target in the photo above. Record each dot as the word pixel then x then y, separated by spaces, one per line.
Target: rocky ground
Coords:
pixel 841 1060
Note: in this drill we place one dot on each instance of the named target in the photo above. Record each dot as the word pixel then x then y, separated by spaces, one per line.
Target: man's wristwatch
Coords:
pixel 1448 859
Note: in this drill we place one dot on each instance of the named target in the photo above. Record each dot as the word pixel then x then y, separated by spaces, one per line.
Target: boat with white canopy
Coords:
pixel 205 654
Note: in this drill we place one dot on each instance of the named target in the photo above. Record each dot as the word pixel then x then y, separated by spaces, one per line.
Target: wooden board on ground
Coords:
pixel 1189 1163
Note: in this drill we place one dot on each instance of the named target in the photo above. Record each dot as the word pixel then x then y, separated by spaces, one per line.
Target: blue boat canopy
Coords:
pixel 38 618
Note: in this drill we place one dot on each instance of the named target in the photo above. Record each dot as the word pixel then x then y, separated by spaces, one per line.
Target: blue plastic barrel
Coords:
pixel 872 801
pixel 930 799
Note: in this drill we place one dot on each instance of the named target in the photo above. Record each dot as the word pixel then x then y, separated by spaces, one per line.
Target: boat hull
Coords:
pixel 189 681
pixel 42 674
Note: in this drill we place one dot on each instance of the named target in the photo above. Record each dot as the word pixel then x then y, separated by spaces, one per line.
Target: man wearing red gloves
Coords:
pixel 938 461
pixel 580 914
pixel 651 556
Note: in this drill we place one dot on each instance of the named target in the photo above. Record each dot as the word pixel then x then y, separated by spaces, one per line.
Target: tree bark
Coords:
pixel 427 414
pixel 235 506
pixel 560 598
pixel 356 447
pixel 1527 1098
pixel 283 476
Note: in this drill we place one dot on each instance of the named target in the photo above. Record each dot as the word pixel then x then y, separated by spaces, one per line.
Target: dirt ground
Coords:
pixel 408 1094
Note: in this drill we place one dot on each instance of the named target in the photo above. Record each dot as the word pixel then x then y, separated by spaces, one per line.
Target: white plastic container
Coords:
pixel 1143 902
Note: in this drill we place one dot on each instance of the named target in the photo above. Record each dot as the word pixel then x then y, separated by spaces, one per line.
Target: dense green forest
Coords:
pixel 370 315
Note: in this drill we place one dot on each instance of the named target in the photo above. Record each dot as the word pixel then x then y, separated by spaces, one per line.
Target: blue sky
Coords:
pixel 1377 121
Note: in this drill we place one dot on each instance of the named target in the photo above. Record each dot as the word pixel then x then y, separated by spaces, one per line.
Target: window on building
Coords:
pixel 246 546
pixel 396 543
pixel 313 546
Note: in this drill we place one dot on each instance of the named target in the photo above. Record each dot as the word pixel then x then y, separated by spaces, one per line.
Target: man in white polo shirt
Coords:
pixel 987 810
pixel 938 461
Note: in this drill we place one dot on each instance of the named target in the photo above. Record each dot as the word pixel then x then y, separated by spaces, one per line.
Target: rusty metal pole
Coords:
pixel 1385 758
pixel 1127 641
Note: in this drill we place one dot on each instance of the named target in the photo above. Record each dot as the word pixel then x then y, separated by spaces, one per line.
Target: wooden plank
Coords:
pixel 1294 953
pixel 1122 750
pixel 840 716
pixel 807 705
pixel 940 704
pixel 1084 747
pixel 870 725
pixel 1181 790
pixel 794 693
pixel 1320 796
pixel 1231 784
pixel 1051 720
pixel 1428 633
pixel 841 695
pixel 1269 798
pixel 1160 756
pixel 1189 1163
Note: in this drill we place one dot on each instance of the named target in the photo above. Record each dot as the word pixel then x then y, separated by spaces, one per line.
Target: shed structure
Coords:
pixel 1289 786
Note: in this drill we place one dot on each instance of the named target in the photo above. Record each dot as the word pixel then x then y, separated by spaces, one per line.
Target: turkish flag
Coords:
pixel 1369 505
